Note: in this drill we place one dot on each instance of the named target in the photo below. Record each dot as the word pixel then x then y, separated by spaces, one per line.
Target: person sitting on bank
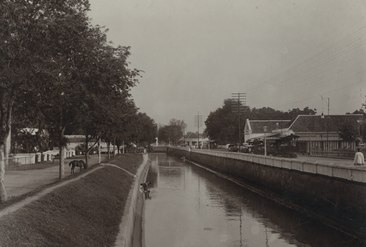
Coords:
pixel 359 158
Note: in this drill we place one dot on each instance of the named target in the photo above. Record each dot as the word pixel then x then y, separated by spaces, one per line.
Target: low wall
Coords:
pixel 132 210
pixel 337 192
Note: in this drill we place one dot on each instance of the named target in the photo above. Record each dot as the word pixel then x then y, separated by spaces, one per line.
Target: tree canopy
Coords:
pixel 222 125
pixel 61 74
pixel 173 132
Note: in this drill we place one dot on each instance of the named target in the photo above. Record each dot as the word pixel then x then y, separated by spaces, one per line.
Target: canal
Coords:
pixel 189 207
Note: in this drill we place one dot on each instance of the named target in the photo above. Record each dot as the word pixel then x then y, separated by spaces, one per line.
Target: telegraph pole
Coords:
pixel 238 103
pixel 198 121
pixel 327 125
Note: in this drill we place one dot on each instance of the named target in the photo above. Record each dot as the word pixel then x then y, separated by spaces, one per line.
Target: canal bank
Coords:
pixel 189 206
pixel 336 195
pixel 84 210
pixel 131 227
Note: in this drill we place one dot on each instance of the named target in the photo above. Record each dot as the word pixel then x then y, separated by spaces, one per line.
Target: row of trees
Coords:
pixel 222 124
pixel 59 73
pixel 173 132
pixel 354 133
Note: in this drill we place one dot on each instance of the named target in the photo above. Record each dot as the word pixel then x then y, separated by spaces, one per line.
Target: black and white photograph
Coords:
pixel 182 123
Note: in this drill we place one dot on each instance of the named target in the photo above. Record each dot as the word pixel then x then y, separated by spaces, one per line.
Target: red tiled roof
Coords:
pixel 258 125
pixel 315 123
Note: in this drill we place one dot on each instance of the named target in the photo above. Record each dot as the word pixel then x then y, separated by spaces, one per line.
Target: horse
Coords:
pixel 78 163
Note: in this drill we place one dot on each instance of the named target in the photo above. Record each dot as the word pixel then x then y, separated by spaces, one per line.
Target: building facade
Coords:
pixel 316 133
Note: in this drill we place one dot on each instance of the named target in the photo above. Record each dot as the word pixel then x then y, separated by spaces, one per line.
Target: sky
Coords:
pixel 283 54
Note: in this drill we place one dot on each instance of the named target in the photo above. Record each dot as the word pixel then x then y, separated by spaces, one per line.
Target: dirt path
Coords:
pixel 16 206
pixel 20 182
pixel 84 210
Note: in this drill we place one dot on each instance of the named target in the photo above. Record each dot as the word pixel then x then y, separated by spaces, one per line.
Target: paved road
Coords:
pixel 20 182
pixel 324 160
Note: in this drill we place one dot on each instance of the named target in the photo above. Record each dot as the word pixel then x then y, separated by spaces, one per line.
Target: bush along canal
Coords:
pixel 189 206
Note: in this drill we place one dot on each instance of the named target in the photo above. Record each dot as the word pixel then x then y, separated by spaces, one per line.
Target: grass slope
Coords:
pixel 84 213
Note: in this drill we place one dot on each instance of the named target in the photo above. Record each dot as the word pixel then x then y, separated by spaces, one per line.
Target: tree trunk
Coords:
pixel 99 157
pixel 109 150
pixel 62 162
pixel 7 146
pixel 6 108
pixel 118 148
pixel 86 150
pixel 62 155
pixel 114 147
pixel 3 195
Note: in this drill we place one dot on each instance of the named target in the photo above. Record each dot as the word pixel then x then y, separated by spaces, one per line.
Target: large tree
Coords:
pixel 54 63
pixel 362 124
pixel 172 132
pixel 349 132
pixel 24 26
pixel 222 124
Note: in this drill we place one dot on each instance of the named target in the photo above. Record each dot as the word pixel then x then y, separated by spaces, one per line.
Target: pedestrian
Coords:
pixel 359 158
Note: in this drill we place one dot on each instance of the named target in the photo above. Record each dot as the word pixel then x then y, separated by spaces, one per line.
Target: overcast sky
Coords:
pixel 282 53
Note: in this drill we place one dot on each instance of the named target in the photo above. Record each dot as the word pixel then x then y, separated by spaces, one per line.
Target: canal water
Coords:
pixel 189 207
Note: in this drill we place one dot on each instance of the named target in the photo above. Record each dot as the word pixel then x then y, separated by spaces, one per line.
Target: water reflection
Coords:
pixel 191 207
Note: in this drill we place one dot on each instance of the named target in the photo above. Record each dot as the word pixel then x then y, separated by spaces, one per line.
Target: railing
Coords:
pixel 351 173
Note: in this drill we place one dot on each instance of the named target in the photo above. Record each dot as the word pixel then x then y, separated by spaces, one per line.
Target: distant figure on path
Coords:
pixel 359 158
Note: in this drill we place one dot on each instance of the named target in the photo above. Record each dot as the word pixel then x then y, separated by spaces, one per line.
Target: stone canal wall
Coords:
pixel 128 235
pixel 337 192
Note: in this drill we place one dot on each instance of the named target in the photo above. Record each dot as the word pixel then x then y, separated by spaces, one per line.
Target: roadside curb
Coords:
pixel 126 228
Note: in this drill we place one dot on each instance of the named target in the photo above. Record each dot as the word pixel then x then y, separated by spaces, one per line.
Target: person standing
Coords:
pixel 359 158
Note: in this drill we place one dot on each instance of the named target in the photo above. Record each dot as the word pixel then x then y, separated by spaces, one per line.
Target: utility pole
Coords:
pixel 238 103
pixel 327 126
pixel 198 122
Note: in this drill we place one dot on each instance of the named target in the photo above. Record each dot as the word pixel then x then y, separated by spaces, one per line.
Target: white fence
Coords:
pixel 33 158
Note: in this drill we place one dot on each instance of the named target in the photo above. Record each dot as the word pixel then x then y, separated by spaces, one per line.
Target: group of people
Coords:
pixel 359 159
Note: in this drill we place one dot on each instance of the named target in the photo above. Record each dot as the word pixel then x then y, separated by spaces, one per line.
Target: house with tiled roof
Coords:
pixel 315 133
pixel 321 132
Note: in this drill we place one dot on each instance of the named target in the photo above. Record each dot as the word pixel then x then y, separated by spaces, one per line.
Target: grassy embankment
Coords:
pixel 86 212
